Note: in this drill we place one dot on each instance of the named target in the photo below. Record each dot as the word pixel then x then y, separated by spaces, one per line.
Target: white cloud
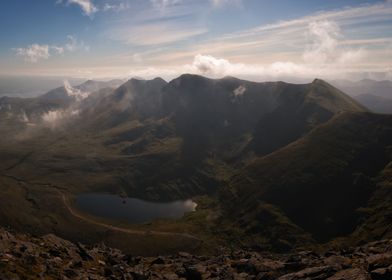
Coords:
pixel 73 44
pixel 221 3
pixel 163 4
pixel 329 42
pixel 209 65
pixel 87 6
pixel 325 36
pixel 115 7
pixel 325 48
pixel 34 52
pixel 74 92
pixel 323 57
pixel 218 67
pixel 55 118
pixel 52 116
pixel 335 42
pixel 58 50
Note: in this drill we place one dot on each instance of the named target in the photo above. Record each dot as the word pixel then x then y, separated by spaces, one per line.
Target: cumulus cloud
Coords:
pixel 324 56
pixel 34 52
pixel 207 64
pixel 325 47
pixel 87 6
pixel 325 36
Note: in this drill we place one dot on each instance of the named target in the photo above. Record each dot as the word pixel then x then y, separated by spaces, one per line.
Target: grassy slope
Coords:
pixel 319 181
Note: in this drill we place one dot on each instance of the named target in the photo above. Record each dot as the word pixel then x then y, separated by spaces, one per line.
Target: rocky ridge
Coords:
pixel 50 257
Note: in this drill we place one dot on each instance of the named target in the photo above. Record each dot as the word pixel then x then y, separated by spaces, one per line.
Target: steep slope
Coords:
pixel 210 114
pixel 299 111
pixel 377 214
pixel 134 100
pixel 215 115
pixel 320 181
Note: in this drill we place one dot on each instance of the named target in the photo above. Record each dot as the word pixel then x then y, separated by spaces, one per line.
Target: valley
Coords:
pixel 254 157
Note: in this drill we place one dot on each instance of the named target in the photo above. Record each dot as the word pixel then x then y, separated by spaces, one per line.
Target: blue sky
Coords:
pixel 254 39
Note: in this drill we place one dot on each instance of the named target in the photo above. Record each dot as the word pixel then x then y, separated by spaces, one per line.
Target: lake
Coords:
pixel 132 210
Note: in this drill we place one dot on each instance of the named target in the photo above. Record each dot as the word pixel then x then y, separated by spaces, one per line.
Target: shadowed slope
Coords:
pixel 320 180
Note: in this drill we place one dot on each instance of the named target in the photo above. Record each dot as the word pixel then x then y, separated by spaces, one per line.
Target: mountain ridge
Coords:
pixel 194 137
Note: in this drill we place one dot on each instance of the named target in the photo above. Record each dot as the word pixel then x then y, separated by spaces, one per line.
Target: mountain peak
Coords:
pixel 331 98
pixel 189 76
pixel 141 80
pixel 319 81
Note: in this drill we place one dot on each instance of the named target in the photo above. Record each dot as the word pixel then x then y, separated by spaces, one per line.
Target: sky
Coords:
pixel 252 39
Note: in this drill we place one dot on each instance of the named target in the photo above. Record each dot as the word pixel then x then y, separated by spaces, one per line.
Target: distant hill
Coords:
pixel 30 110
pixel 31 86
pixel 376 103
pixel 365 86
pixel 375 95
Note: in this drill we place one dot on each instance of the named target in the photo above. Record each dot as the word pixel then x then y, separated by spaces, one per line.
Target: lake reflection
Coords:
pixel 132 210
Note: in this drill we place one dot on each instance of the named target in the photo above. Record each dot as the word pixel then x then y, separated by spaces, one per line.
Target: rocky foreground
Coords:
pixel 50 257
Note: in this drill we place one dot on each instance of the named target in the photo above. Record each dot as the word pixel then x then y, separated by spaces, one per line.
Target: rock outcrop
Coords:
pixel 50 257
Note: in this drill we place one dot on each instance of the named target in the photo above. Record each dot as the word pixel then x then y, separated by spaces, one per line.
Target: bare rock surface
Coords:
pixel 50 257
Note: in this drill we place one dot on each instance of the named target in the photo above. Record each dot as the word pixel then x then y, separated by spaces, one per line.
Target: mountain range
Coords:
pixel 271 165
